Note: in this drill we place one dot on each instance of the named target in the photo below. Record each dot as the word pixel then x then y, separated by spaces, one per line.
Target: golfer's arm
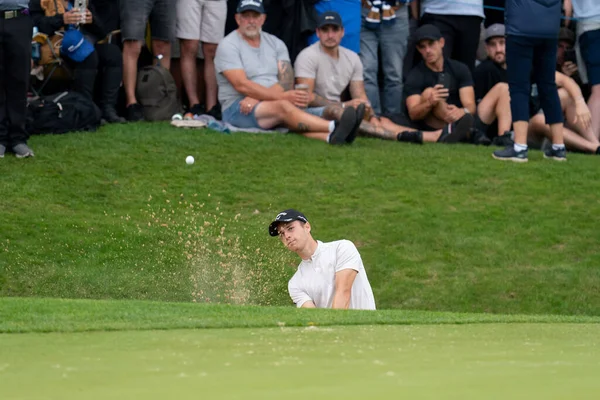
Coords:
pixel 344 280
pixel 243 85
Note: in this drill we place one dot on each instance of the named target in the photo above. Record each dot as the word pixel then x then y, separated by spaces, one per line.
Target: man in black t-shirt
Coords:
pixel 438 91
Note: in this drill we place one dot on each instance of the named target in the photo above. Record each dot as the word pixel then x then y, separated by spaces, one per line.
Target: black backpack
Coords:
pixel 61 113
pixel 157 92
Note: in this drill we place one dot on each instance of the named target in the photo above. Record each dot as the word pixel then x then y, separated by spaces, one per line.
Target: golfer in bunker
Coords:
pixel 331 275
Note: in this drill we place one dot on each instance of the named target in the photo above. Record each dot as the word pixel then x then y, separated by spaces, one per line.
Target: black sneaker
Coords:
pixel 480 138
pixel 110 115
pixel 557 155
pixel 410 137
pixel 360 114
pixel 197 109
pixel 215 112
pixel 510 154
pixel 504 140
pixel 344 127
pixel 135 112
pixel 458 131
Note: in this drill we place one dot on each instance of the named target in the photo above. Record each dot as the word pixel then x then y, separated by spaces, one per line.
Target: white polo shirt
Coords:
pixel 315 278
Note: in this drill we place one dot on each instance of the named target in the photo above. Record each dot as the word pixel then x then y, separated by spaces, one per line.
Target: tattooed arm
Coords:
pixel 357 90
pixel 315 99
pixel 285 76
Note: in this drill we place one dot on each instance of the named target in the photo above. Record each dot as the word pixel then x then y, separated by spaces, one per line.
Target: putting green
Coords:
pixel 486 361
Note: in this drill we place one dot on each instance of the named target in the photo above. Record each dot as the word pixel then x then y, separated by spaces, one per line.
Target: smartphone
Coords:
pixel 570 56
pixel 443 80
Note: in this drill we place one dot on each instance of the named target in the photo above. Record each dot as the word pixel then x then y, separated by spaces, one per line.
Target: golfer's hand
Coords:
pixel 247 105
pixel 582 114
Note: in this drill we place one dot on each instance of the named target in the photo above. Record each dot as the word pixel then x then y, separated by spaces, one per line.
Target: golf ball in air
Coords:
pixel 189 160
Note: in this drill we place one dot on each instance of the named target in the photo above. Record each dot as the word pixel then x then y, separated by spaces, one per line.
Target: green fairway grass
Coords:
pixel 118 214
pixel 490 361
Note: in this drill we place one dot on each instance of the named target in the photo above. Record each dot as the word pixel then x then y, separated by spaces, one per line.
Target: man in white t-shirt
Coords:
pixel 331 275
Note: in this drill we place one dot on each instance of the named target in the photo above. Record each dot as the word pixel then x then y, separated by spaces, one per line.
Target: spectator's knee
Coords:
pixel 209 50
pixel 285 106
pixel 132 47
pixel 189 48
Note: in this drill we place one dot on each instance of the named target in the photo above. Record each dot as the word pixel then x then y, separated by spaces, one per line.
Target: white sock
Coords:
pixel 331 126
pixel 558 147
pixel 329 138
pixel 519 147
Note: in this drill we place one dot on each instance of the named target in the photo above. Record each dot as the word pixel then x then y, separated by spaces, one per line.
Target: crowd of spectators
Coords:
pixel 409 71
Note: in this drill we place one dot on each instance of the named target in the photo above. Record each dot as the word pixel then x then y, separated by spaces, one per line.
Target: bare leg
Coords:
pixel 496 105
pixel 428 136
pixel 176 72
pixel 572 140
pixel 594 105
pixel 270 114
pixel 210 76
pixel 189 50
pixel 333 113
pixel 569 109
pixel 164 48
pixel 131 53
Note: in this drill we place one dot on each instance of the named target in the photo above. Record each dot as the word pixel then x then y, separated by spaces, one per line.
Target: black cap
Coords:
pixel 427 32
pixel 250 5
pixel 330 18
pixel 567 35
pixel 285 216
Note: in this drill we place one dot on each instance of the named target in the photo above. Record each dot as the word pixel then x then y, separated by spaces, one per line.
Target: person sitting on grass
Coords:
pixel 256 79
pixel 331 275
pixel 328 69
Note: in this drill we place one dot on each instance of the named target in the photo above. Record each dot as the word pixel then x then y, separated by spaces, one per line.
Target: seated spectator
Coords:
pixel 565 56
pixel 578 131
pixel 86 60
pixel 460 25
pixel 438 91
pixel 328 69
pixel 135 14
pixel 587 13
pixel 491 89
pixel 349 10
pixel 200 21
pixel 256 82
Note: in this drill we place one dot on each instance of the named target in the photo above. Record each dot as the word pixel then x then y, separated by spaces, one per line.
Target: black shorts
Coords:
pixel 135 14
pixel 401 119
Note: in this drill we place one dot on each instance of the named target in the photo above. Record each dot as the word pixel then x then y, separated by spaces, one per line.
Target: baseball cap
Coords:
pixel 427 32
pixel 285 216
pixel 566 34
pixel 250 5
pixel 75 46
pixel 329 18
pixel 495 30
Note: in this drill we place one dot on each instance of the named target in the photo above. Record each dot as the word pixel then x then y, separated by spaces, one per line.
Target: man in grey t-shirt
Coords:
pixel 256 79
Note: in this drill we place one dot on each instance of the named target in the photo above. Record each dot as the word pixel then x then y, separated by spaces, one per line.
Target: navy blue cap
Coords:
pixel 250 5
pixel 428 32
pixel 286 216
pixel 330 18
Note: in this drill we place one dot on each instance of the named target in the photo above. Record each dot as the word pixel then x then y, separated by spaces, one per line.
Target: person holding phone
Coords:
pixel 438 91
pixel 81 51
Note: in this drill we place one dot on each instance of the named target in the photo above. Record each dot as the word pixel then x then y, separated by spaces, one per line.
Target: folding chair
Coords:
pixel 50 60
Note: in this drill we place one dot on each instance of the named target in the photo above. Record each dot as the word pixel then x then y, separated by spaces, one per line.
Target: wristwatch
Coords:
pixel 466 110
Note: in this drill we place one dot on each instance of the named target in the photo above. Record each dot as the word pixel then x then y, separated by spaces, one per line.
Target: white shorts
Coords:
pixel 202 20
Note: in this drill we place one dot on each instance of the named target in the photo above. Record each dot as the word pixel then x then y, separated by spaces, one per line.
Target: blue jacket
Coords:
pixel 533 18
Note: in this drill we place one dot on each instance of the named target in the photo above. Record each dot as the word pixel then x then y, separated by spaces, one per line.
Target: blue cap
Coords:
pixel 329 18
pixel 250 5
pixel 75 46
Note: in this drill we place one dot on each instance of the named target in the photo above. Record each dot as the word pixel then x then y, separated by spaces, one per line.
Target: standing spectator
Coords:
pixel 16 28
pixel 532 40
pixel 135 14
pixel 588 32
pixel 460 23
pixel 384 31
pixel 200 21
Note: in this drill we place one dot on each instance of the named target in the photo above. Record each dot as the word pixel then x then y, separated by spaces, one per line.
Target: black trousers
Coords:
pixel 461 33
pixel 15 67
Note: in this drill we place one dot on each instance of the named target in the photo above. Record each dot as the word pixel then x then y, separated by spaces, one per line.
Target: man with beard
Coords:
pixel 331 275
pixel 256 80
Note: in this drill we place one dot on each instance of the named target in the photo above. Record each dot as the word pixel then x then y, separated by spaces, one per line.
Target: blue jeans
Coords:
pixel 524 55
pixel 392 39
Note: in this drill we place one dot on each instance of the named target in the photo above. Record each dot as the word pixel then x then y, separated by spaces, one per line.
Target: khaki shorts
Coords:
pixel 202 20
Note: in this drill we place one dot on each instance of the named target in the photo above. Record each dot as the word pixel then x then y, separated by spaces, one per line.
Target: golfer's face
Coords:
pixel 294 235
